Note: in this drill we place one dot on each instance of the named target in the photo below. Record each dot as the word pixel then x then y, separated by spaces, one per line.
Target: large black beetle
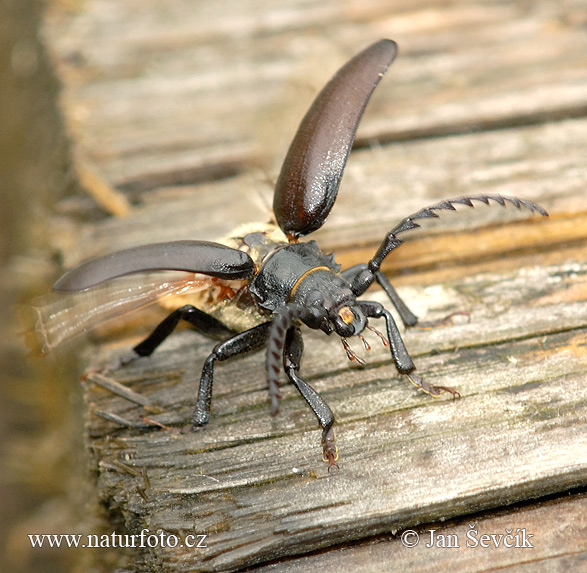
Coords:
pixel 281 282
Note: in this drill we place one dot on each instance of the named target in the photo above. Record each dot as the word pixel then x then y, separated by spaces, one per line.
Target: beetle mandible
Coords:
pixel 282 281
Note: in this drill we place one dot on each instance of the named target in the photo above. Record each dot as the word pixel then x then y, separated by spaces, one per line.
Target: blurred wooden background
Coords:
pixel 178 115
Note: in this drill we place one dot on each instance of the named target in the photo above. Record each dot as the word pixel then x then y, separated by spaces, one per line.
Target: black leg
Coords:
pixel 408 317
pixel 292 356
pixel 360 277
pixel 399 353
pixel 202 322
pixel 247 341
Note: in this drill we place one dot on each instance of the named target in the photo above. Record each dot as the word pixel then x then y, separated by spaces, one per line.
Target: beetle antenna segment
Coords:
pixel 392 241
pixel 282 321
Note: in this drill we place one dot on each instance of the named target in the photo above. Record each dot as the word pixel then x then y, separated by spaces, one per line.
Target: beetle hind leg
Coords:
pixel 198 319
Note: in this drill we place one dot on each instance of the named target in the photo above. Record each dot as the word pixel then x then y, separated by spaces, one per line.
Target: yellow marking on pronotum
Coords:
pixel 295 287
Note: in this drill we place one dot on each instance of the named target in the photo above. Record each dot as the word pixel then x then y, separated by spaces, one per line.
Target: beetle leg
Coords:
pixel 247 341
pixel 403 362
pixel 292 356
pixel 202 322
pixel 408 317
pixel 434 391
pixel 360 277
pixel 399 353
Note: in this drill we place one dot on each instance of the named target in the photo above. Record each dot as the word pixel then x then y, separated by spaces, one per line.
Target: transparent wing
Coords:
pixel 63 316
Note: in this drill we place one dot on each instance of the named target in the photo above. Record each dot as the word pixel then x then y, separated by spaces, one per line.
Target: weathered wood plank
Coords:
pixel 169 98
pixel 169 94
pixel 555 529
pixel 382 185
pixel 398 469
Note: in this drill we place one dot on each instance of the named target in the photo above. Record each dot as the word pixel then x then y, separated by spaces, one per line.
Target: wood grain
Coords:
pixel 185 110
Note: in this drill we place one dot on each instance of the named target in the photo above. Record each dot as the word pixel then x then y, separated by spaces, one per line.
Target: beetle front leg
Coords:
pixel 292 356
pixel 399 353
pixel 247 341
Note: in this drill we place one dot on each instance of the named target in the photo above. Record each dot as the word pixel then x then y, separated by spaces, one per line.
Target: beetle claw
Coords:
pixel 329 448
pixel 434 391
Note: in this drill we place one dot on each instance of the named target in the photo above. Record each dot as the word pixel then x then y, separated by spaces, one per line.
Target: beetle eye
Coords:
pixel 346 314
pixel 349 321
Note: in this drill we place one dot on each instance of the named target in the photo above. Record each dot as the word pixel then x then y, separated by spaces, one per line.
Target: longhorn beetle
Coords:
pixel 264 285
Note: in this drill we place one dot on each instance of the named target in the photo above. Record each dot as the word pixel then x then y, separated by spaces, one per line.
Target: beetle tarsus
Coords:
pixel 329 448
pixel 434 391
pixel 111 366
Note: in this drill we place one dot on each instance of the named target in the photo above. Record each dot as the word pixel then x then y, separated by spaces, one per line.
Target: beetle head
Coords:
pixel 334 309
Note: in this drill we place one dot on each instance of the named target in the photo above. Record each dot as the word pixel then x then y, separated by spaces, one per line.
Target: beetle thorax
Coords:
pixel 300 273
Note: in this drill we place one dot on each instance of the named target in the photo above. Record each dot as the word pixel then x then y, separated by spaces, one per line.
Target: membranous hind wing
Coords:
pixel 101 289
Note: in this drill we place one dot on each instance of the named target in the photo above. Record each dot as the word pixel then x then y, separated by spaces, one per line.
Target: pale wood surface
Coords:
pixel 187 109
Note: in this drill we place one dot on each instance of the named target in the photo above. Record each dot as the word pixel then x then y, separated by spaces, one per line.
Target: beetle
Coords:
pixel 263 286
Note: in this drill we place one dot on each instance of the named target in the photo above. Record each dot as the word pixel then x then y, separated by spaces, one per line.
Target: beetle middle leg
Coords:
pixel 241 343
pixel 292 355
pixel 361 278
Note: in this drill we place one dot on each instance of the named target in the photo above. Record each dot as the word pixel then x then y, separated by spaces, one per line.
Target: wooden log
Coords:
pixel 175 106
